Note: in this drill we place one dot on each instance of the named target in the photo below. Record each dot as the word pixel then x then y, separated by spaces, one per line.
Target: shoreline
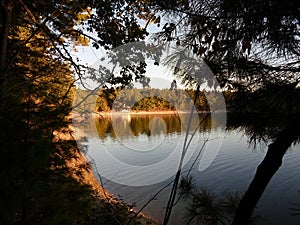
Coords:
pixel 167 112
pixel 81 169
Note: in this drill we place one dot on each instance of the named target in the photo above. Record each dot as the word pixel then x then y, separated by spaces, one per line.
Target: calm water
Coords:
pixel 137 155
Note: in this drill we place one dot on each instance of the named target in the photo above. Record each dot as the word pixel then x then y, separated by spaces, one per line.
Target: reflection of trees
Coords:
pixel 295 208
pixel 258 127
pixel 104 127
pixel 203 207
pixel 281 130
pixel 140 125
pixel 287 135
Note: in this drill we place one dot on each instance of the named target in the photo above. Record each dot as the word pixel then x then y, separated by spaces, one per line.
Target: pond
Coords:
pixel 137 156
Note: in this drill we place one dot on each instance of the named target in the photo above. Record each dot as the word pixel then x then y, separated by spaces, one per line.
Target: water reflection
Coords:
pixel 232 170
pixel 124 126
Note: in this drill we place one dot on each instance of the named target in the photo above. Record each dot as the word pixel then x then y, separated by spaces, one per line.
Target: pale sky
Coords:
pixel 160 76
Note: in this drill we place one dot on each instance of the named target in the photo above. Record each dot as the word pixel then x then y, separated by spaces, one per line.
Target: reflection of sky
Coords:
pixel 232 170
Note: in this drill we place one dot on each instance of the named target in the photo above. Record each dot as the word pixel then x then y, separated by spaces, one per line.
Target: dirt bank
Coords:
pixel 79 169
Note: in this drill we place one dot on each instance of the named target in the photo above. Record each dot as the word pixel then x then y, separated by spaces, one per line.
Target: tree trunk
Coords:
pixel 3 46
pixel 266 171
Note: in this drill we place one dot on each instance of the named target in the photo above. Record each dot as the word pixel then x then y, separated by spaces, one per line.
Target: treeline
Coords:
pixel 152 99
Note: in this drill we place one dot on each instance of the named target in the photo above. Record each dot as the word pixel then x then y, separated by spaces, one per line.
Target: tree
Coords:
pixel 68 22
pixel 252 47
pixel 37 88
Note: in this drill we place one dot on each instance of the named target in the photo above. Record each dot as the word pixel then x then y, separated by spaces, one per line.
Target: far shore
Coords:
pixel 109 113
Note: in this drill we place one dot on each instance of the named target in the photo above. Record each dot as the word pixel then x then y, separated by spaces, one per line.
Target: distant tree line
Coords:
pixel 153 99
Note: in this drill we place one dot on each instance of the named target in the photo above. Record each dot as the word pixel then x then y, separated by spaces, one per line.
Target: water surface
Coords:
pixel 146 141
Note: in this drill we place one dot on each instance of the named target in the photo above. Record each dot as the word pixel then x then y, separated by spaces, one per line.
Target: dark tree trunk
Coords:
pixel 266 171
pixel 3 46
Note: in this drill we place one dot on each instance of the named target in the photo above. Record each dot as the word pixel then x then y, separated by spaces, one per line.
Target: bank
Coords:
pixel 106 208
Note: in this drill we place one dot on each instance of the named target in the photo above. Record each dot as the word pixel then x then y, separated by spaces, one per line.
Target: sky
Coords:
pixel 160 76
